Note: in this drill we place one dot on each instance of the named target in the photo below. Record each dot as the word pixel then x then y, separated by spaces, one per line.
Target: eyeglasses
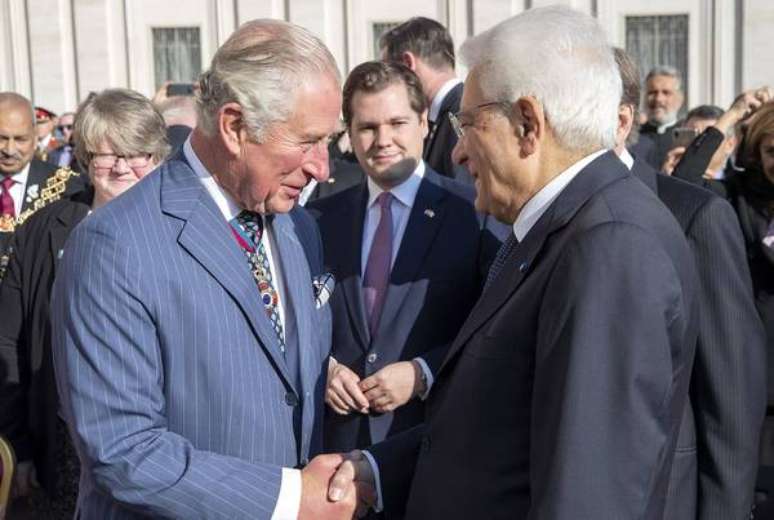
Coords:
pixel 109 160
pixel 62 128
pixel 462 119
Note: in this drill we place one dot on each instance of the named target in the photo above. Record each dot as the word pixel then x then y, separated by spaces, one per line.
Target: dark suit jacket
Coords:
pixel 662 143
pixel 561 396
pixel 440 143
pixel 39 174
pixel 713 475
pixel 437 276
pixel 754 224
pixel 345 173
pixel 28 398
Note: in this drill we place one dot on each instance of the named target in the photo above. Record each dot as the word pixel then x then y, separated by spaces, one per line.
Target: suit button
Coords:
pixel 425 444
pixel 291 399
pixel 372 357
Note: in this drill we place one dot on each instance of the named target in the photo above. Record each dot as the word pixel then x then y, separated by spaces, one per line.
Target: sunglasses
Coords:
pixel 62 128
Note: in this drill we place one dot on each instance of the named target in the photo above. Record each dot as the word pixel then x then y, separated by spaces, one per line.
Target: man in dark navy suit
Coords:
pixel 713 473
pixel 426 47
pixel 410 255
pixel 562 394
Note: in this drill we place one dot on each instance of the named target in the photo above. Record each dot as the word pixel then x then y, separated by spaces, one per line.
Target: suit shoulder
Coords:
pixel 324 206
pixel 453 186
pixel 42 167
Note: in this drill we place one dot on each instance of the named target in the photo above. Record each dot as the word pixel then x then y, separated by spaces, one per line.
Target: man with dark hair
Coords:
pixel 426 47
pixel 713 473
pixel 410 255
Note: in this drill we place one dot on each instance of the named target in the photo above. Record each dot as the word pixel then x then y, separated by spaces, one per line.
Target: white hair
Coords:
pixel 260 67
pixel 562 58
pixel 666 70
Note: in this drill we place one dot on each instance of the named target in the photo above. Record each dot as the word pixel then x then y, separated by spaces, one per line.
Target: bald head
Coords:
pixel 17 133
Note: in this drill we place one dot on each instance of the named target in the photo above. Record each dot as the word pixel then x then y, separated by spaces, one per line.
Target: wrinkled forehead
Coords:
pixel 16 115
pixel 472 93
pixel 662 82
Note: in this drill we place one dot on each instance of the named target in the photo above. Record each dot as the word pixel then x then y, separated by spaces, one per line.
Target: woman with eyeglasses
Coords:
pixel 119 138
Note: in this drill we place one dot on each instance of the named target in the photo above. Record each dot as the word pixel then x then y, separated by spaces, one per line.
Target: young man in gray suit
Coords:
pixel 189 341
pixel 561 396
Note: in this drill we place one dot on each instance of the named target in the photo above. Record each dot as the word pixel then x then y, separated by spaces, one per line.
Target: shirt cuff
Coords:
pixel 289 499
pixel 428 377
pixel 379 506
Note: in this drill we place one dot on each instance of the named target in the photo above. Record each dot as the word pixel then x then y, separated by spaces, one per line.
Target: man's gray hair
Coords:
pixel 260 67
pixel 562 58
pixel 666 70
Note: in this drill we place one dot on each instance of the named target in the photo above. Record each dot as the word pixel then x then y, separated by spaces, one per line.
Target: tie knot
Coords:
pixel 384 200
pixel 7 182
pixel 252 224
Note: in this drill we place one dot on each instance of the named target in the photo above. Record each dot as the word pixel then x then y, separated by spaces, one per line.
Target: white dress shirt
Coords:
pixel 19 187
pixel 528 216
pixel 289 499
pixel 404 196
pixel 435 104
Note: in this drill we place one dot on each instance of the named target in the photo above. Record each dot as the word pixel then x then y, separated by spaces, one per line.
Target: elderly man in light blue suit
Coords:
pixel 190 339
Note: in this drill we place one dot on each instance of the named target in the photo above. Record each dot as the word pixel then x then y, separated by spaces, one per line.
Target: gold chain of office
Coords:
pixel 55 187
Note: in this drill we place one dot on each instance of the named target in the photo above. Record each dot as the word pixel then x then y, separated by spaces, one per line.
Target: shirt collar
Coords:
pixel 22 176
pixel 539 203
pixel 627 158
pixel 435 105
pixel 405 192
pixel 226 204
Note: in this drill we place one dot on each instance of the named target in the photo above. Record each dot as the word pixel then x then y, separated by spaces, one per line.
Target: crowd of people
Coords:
pixel 395 294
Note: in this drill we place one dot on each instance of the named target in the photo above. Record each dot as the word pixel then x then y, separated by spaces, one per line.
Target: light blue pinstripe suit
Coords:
pixel 172 381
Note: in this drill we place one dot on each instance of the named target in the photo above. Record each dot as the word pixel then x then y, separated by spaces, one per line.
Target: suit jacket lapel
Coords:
pixel 423 225
pixel 207 238
pixel 452 99
pixel 61 227
pixel 36 176
pixel 602 171
pixel 298 289
pixel 351 258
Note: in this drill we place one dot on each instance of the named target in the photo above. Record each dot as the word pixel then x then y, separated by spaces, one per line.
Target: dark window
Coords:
pixel 177 54
pixel 659 40
pixel 379 28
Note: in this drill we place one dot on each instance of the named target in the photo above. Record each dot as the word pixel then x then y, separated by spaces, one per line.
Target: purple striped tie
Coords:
pixel 377 271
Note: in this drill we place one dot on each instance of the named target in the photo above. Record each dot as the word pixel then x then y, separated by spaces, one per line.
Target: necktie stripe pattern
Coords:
pixel 252 224
pixel 6 201
pixel 377 272
pixel 499 261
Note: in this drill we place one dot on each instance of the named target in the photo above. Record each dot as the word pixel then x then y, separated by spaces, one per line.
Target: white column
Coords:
pixel 14 51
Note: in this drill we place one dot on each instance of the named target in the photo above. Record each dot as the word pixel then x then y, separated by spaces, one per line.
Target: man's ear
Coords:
pixel 529 123
pixel 409 60
pixel 231 127
pixel 423 123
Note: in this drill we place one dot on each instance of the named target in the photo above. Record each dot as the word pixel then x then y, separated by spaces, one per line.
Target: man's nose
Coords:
pixel 318 166
pixel 121 166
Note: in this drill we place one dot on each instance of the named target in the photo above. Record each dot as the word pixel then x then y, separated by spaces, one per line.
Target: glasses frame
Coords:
pixel 145 157
pixel 455 118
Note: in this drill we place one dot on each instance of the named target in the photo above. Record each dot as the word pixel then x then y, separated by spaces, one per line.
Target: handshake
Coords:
pixel 337 486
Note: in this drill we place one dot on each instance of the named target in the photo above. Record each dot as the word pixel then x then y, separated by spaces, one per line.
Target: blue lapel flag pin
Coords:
pixel 429 213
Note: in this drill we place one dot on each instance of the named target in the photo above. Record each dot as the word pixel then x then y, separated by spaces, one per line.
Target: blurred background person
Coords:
pixel 663 100
pixel 45 122
pixel 64 155
pixel 426 47
pixel 26 183
pixel 119 137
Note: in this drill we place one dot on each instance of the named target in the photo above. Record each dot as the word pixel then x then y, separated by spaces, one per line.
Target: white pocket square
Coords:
pixel 323 288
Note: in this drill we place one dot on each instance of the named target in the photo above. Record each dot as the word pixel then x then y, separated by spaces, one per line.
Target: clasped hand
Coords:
pixel 337 486
pixel 384 391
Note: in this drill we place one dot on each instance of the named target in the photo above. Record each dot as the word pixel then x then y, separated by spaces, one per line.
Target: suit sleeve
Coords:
pixel 696 159
pixel 13 351
pixel 611 318
pixel 396 458
pixel 728 385
pixel 110 376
